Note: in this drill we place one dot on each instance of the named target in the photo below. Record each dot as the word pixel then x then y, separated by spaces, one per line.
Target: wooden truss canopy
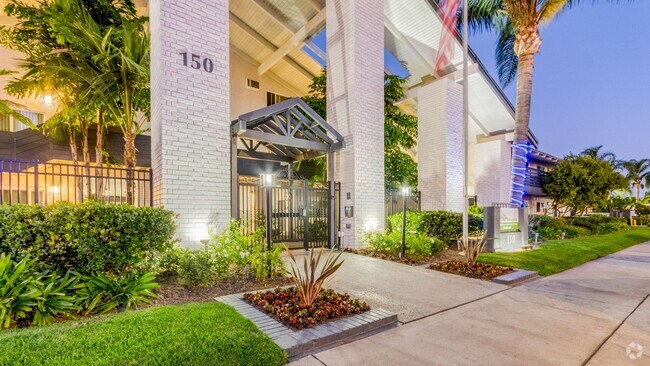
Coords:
pixel 288 131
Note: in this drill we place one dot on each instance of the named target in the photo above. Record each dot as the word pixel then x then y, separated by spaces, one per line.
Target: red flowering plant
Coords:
pixel 287 306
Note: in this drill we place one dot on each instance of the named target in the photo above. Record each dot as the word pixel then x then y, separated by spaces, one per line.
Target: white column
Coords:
pixel 355 107
pixel 190 102
pixel 440 145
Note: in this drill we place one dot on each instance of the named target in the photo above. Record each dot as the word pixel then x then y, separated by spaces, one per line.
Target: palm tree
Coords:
pixel 594 152
pixel 518 23
pixel 637 172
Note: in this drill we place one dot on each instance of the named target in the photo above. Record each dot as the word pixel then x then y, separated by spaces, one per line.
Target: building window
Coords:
pixel 5 122
pixel 10 124
pixel 272 98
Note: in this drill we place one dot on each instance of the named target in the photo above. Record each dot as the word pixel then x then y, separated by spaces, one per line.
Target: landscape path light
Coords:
pixel 406 193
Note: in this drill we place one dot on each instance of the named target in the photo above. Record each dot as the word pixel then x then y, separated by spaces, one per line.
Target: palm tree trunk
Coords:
pixel 85 149
pixel 99 150
pixel 75 161
pixel 130 162
pixel 522 119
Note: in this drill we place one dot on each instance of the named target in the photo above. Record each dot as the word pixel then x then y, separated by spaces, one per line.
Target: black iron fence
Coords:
pixel 395 202
pixel 34 182
pixel 299 210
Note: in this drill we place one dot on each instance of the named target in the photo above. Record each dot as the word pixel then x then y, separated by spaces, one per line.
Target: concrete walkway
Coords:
pixel 586 315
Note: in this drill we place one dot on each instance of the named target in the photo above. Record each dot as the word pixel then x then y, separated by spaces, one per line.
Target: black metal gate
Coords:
pixel 299 209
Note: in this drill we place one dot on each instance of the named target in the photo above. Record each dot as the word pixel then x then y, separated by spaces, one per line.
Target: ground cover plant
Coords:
pixel 193 334
pixel 551 228
pixel 286 305
pixel 559 255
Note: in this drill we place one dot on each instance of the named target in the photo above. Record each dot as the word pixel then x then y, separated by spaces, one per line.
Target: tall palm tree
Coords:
pixel 637 172
pixel 518 23
pixel 595 152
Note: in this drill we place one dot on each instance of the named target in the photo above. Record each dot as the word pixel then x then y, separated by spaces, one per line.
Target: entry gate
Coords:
pixel 299 210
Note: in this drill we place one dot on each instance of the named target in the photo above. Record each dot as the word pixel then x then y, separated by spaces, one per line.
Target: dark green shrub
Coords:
pixel 195 267
pixel 416 244
pixel 612 227
pixel 88 237
pixel 592 222
pixel 443 225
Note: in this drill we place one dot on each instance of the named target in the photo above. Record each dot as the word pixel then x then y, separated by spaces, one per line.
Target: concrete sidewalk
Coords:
pixel 589 314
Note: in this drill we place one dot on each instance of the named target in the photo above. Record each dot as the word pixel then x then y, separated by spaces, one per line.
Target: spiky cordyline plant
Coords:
pixel 518 23
pixel 473 248
pixel 309 283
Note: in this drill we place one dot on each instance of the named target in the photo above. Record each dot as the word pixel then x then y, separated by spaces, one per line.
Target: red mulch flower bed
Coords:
pixel 285 306
pixel 483 271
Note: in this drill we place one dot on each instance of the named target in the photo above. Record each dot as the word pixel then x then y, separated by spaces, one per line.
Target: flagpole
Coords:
pixel 465 124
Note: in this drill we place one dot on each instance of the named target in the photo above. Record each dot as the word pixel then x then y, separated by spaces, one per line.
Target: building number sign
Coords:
pixel 197 62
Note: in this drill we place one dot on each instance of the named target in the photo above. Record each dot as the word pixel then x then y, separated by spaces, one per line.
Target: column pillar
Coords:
pixel 440 145
pixel 190 114
pixel 355 107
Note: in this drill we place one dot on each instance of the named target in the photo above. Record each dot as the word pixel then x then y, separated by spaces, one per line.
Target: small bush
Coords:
pixel 612 227
pixel 88 237
pixel 443 225
pixel 228 253
pixel 18 292
pixel 104 293
pixel 416 244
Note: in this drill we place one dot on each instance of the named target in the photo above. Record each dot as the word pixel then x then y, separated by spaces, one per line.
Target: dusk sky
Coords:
pixel 592 79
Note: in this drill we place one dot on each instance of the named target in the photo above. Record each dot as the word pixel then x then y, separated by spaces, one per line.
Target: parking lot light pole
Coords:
pixel 406 192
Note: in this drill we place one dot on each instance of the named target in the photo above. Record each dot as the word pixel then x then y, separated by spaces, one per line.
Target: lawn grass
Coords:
pixel 193 334
pixel 559 255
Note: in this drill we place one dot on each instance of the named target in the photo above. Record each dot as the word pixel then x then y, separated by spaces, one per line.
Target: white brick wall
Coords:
pixel 190 114
pixel 440 149
pixel 491 171
pixel 355 62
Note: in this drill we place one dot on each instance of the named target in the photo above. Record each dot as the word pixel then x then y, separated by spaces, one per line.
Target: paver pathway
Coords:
pixel 591 314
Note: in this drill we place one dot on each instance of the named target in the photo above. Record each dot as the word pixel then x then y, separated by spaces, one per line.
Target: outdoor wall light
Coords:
pixel 406 191
pixel 47 99
pixel 267 180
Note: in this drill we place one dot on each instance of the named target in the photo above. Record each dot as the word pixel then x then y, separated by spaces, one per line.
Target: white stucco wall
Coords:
pixel 491 171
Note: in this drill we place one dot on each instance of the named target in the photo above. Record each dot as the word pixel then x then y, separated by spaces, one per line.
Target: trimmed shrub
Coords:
pixel 444 225
pixel 612 227
pixel 416 244
pixel 88 237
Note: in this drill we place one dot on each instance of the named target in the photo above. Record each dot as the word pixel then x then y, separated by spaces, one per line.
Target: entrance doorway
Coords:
pixel 302 213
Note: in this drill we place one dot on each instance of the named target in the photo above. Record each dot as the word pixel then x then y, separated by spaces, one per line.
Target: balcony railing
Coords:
pixel 535 178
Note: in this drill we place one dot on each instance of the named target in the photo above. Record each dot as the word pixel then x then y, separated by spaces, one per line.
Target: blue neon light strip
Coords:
pixel 520 152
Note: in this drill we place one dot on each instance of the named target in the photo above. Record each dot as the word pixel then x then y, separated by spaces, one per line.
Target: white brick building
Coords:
pixel 215 60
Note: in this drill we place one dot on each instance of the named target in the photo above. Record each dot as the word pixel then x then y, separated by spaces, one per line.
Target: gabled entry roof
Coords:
pixel 287 131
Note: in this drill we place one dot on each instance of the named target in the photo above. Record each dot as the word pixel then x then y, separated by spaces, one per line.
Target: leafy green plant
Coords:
pixel 444 225
pixel 308 282
pixel 88 237
pixel 103 293
pixel 612 227
pixel 416 243
pixel 56 297
pixel 264 262
pixel 195 267
pixel 18 292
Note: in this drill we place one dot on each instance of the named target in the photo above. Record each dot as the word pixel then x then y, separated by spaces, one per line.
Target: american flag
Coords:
pixel 446 46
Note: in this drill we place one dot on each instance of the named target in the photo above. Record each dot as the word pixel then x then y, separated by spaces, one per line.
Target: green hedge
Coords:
pixel 550 228
pixel 87 237
pixel 443 225
pixel 416 244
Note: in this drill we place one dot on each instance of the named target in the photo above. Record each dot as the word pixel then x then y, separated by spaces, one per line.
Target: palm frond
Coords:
pixel 549 9
pixel 483 15
pixel 506 60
